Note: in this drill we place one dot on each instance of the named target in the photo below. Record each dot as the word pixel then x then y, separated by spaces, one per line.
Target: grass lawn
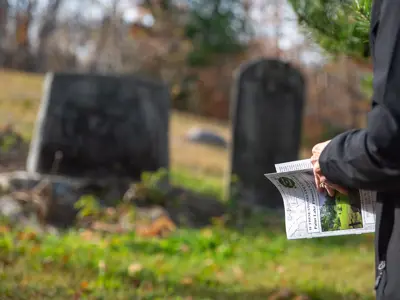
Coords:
pixel 255 262
pixel 213 263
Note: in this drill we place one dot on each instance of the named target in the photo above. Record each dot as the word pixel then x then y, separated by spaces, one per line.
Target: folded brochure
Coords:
pixel 310 213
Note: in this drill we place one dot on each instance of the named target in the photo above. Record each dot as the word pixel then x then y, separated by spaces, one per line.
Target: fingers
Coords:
pixel 317 177
pixel 320 180
pixel 314 160
pixel 339 189
pixel 331 191
pixel 318 148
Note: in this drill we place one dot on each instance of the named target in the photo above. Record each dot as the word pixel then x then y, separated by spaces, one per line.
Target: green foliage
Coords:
pixel 149 188
pixel 339 27
pixel 329 215
pixel 87 206
pixel 215 27
pixel 7 142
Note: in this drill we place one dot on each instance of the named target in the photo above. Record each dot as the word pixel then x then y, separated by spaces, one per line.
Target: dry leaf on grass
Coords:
pixel 109 228
pixel 185 248
pixel 134 268
pixel 102 265
pixel 159 227
pixel 84 286
pixel 207 233
pixel 280 269
pixel 87 234
pixel 238 272
pixel 187 281
pixel 35 249
pixel 26 236
pixel 4 229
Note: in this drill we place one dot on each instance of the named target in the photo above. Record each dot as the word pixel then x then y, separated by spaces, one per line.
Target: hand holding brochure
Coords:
pixel 309 213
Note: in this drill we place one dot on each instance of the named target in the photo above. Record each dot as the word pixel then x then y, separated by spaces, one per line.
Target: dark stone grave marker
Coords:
pixel 103 126
pixel 266 111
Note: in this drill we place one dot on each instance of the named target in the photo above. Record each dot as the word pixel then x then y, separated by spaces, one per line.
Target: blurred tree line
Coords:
pixel 179 45
pixel 33 30
pixel 194 46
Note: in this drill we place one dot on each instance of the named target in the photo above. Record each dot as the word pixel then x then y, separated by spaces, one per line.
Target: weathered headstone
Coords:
pixel 266 111
pixel 100 126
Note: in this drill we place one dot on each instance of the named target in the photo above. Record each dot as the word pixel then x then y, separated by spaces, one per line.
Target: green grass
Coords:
pixel 213 263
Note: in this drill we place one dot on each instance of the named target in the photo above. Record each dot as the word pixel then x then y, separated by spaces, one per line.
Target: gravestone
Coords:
pixel 100 126
pixel 266 113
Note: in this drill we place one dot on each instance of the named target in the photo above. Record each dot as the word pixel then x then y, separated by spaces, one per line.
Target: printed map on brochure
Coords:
pixel 310 213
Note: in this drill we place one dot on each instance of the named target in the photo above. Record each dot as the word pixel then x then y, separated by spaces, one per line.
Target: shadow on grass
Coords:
pixel 204 292
pixel 174 244
pixel 273 225
pixel 174 291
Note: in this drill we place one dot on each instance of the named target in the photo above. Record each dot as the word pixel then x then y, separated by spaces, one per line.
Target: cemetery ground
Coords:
pixel 220 261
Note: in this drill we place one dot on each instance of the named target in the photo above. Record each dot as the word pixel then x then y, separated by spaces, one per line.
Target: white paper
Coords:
pixel 309 213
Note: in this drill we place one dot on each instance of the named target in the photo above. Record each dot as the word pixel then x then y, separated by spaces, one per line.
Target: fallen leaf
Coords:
pixel 87 235
pixel 65 259
pixel 185 248
pixel 26 236
pixel 109 228
pixel 187 281
pixel 35 249
pixel 237 271
pixel 110 211
pixel 159 227
pixel 280 269
pixel 102 265
pixel 207 233
pixel 209 262
pixel 84 285
pixel 4 229
pixel 134 268
pixel 220 276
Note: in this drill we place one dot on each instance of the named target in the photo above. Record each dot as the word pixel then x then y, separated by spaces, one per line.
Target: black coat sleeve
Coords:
pixel 370 158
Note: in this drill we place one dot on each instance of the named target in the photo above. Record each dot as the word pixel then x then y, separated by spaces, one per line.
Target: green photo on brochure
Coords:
pixel 341 212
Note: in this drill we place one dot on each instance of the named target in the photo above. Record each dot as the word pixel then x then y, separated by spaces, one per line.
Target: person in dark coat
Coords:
pixel 369 158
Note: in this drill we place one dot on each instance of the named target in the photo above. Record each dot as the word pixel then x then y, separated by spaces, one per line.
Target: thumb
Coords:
pixel 340 189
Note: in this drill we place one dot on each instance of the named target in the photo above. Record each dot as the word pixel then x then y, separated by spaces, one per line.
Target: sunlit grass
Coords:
pixel 213 263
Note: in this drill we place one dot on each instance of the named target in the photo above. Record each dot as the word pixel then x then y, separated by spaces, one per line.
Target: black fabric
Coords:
pixel 370 158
